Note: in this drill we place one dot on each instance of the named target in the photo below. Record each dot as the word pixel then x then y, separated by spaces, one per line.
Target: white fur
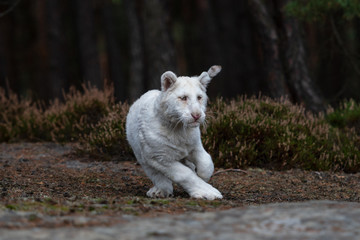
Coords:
pixel 163 129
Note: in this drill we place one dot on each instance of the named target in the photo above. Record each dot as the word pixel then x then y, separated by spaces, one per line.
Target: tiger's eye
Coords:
pixel 183 98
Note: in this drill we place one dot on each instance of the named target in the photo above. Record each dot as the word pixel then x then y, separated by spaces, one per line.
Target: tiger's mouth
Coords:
pixel 194 124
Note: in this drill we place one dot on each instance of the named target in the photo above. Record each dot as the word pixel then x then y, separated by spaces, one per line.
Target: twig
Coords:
pixel 230 170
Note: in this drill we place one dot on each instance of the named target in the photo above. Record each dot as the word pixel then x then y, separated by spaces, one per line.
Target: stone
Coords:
pixel 303 220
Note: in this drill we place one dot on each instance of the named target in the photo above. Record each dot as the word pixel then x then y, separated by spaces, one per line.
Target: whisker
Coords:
pixel 177 123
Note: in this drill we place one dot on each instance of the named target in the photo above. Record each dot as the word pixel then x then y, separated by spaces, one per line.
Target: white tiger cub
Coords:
pixel 163 129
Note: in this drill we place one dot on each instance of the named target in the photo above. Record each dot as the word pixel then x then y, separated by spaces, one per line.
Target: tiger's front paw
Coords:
pixel 156 192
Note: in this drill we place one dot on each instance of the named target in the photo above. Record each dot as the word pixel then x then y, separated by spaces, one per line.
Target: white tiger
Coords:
pixel 163 129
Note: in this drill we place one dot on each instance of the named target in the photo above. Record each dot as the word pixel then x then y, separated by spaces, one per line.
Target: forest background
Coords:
pixel 308 51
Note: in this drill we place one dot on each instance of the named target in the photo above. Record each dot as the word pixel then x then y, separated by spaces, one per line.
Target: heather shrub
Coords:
pixel 107 137
pixel 78 113
pixel 276 134
pixel 23 120
pixel 347 115
pixel 247 132
pixel 20 119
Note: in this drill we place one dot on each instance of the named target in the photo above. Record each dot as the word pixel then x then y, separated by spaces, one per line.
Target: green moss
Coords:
pixel 159 202
pixel 33 217
pixel 130 210
pixel 192 203
pixel 49 207
pixel 11 207
pixel 215 203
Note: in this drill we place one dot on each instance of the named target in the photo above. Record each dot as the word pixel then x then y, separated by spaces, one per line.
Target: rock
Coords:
pixel 304 220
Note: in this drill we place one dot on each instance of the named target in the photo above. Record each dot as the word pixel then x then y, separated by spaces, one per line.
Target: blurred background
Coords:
pixel 307 50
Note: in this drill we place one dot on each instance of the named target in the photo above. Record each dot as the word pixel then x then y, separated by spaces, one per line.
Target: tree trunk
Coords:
pixel 159 51
pixel 235 36
pixel 301 85
pixel 269 41
pixel 56 53
pixel 3 74
pixel 89 56
pixel 137 71
pixel 204 46
pixel 40 84
pixel 113 51
pixel 284 55
pixel 8 51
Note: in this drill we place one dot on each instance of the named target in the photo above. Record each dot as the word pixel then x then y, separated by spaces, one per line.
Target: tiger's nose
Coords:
pixel 196 116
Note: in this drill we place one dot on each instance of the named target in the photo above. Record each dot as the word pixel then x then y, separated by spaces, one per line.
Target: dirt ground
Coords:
pixel 47 178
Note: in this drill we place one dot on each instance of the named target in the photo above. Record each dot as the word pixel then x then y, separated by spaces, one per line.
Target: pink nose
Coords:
pixel 196 116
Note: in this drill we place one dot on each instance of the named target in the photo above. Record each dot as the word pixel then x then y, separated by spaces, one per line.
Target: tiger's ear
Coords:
pixel 214 70
pixel 206 77
pixel 167 80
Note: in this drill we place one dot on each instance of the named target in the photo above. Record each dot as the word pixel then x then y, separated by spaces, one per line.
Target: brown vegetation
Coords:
pixel 241 133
